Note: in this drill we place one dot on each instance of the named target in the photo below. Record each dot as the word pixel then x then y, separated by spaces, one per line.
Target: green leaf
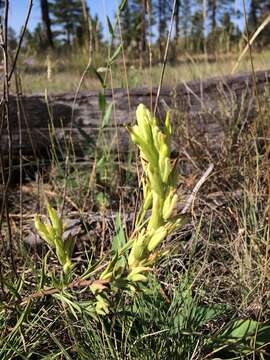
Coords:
pixel 122 5
pixel 119 240
pixel 73 306
pixel 240 329
pixel 102 102
pixel 263 336
pixel 116 53
pixel 91 269
pixel 69 245
pixel 106 117
pixel 201 315
pixel 111 30
pixel 101 199
pixel 100 162
pixel 100 78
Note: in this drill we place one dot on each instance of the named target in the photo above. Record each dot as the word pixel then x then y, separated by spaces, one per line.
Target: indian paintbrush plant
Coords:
pixel 132 260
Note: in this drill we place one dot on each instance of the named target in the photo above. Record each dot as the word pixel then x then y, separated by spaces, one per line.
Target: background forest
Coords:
pixel 135 180
pixel 203 32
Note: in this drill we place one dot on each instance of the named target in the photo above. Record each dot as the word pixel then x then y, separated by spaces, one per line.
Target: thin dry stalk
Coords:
pixel 165 56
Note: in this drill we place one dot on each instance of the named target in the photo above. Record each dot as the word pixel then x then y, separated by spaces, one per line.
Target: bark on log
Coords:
pixel 206 109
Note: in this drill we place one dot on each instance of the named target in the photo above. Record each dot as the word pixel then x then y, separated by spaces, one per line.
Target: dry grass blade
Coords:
pixel 250 42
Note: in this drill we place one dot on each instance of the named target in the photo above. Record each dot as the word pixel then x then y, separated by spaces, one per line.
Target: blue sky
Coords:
pixel 103 8
pixel 18 9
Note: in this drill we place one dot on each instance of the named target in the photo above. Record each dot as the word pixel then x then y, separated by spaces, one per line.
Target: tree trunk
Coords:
pixel 207 110
pixel 177 20
pixel 46 23
pixel 213 15
pixel 143 32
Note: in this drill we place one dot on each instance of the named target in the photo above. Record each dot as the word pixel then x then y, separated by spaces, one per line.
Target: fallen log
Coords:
pixel 205 109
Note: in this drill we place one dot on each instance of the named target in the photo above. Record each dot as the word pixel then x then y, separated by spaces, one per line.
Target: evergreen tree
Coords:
pixel 135 26
pixel 258 11
pixel 127 26
pixel 96 29
pixel 196 34
pixel 254 14
pixel 177 19
pixel 216 9
pixel 46 23
pixel 162 11
pixel 67 16
pixel 187 20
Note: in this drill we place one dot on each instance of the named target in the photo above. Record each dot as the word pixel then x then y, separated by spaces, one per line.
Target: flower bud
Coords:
pixel 155 181
pixel 169 205
pixel 143 119
pixel 138 250
pixel 134 134
pixel 137 278
pixel 156 239
pixel 148 200
pixel 164 150
pixel 167 127
pixel 156 218
pixel 155 132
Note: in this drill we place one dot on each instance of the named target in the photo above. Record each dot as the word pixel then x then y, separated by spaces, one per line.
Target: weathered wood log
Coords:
pixel 206 109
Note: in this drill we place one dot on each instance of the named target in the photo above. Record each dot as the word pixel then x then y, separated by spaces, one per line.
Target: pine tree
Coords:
pixel 196 34
pixel 216 9
pixel 177 20
pixel 127 26
pixel 68 17
pixel 258 11
pixel 187 20
pixel 46 23
pixel 96 29
pixel 162 10
pixel 135 26
pixel 254 14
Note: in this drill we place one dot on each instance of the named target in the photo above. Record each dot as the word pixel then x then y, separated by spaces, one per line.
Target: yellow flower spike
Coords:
pixel 159 191
pixel 156 239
